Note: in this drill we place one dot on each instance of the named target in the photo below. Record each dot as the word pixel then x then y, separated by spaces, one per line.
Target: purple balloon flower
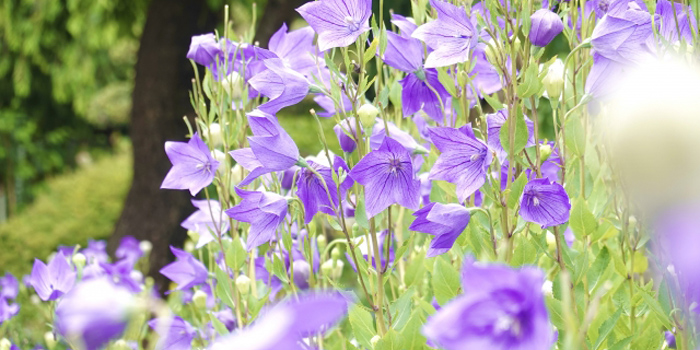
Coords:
pixel 379 134
pixel 175 333
pixel 313 194
pixel 52 281
pixel 265 211
pixel 94 313
pixel 625 33
pixel 545 26
pixel 283 86
pixel 186 271
pixel 122 274
pixel 204 49
pixel 388 177
pixel 501 308
pixel 286 324
pixel 7 310
pixel 193 165
pixel 683 15
pixel 295 48
pixel 96 251
pixel 271 148
pixel 452 35
pixel 129 249
pixel 545 203
pixel 464 160
pixel 206 220
pixel 9 286
pixel 338 23
pixel 494 123
pixel 445 221
pixel 347 143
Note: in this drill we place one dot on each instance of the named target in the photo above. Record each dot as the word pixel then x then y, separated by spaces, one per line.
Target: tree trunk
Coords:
pixel 276 13
pixel 160 100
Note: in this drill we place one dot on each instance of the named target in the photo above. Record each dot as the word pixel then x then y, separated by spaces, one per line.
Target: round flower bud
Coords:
pixel 355 230
pixel 200 299
pixel 5 344
pixel 237 173
pixel 333 269
pixel 146 247
pixel 302 271
pixel 368 115
pixel 551 241
pixel 220 157
pixel 554 80
pixel 215 134
pixel 232 85
pixel 189 246
pixel 121 344
pixel 243 284
pixel 321 241
pixel 50 340
pixel 335 253
pixel 545 152
pixel 547 288
pixel 491 51
pixel 545 26
pixel 79 260
pixel 374 340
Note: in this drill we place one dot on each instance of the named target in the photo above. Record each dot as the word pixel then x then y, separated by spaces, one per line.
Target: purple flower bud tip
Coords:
pixel 545 26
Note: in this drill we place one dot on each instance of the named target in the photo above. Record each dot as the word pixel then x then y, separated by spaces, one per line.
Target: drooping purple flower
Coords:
pixel 52 281
pixel 464 160
pixel 129 249
pixel 193 165
pixel 624 34
pixel 501 308
pixel 445 221
pixel 286 324
pixel 94 313
pixel 9 286
pixel 207 221
pixel 313 193
pixel 452 35
pixel 545 203
pixel 545 26
pixel 349 125
pixel 295 48
pixel 338 23
pixel 271 147
pixel 495 122
pixel 174 333
pixel 204 49
pixel 7 310
pixel 388 177
pixel 265 211
pixel 282 85
pixel 683 15
pixel 186 271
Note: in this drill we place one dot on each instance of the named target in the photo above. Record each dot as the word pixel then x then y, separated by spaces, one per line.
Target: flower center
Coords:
pixel 474 157
pixel 395 165
pixel 206 166
pixel 352 24
pixel 603 5
pixel 535 201
pixel 507 323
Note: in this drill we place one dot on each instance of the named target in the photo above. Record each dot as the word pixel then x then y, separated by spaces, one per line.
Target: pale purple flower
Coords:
pixel 9 286
pixel 271 147
pixel 445 221
pixel 122 274
pixel 416 94
pixel 193 165
pixel 484 76
pixel 282 85
pixel 265 211
pixel 347 142
pixel 7 310
pixel 295 48
pixel 367 251
pixel 207 221
pixel 545 203
pixel 174 333
pixel 338 23
pixel 52 281
pixel 495 122
pixel 670 339
pixel 452 35
pixel 186 271
pixel 683 15
pixel 226 317
pixel 285 325
pixel 602 76
pixel 376 140
pixel 204 49
pixel 96 251
pixel 464 160
pixel 625 33
pixel 406 25
pixel 545 26
pixel 502 308
pixel 94 313
pixel 313 193
pixel 388 177
pixel 129 249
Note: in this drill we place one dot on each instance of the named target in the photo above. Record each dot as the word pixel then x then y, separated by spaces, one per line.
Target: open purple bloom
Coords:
pixel 129 249
pixel 52 281
pixel 271 148
pixel 464 160
pixel 122 274
pixel 286 324
pixel 7 310
pixel 388 177
pixel 445 221
pixel 602 76
pixel 347 143
pixel 295 48
pixel 175 333
pixel 312 192
pixel 625 33
pixel 416 94
pixel 207 221
pixel 495 122
pixel 545 26
pixel 283 86
pixel 265 211
pixel 683 15
pixel 186 271
pixel 94 313
pixel 9 286
pixel 338 23
pixel 193 165
pixel 452 35
pixel 545 203
pixel 406 25
pixel 96 251
pixel 502 308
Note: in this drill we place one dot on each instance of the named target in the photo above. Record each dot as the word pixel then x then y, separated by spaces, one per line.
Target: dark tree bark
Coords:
pixel 276 13
pixel 160 100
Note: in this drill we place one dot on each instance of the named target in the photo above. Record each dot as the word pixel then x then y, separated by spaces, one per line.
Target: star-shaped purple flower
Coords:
pixel 193 165
pixel 338 23
pixel 52 281
pixel 545 203
pixel 625 33
pixel 445 221
pixel 175 333
pixel 452 35
pixel 313 194
pixel 186 271
pixel 207 221
pixel 265 211
pixel 388 177
pixel 295 48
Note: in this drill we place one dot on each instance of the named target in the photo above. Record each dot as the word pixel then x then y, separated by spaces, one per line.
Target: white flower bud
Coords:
pixel 547 288
pixel 335 253
pixel 333 269
pixel 50 340
pixel 215 134
pixel 237 174
pixel 368 115
pixel 545 152
pixel 551 240
pixel 374 340
pixel 322 242
pixel 232 85
pixel 199 299
pixel 243 284
pixel 145 247
pixel 554 80
pixel 79 260
pixel 35 299
pixel 121 344
pixel 189 246
pixel 5 344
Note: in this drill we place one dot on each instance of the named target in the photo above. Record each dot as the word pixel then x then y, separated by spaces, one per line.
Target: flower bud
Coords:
pixel 545 152
pixel 237 173
pixel 547 288
pixel 355 230
pixel 189 246
pixel 368 115
pixel 333 269
pixel 374 340
pixel 145 247
pixel 491 51
pixel 545 25
pixel 220 157
pixel 554 80
pixel 551 240
pixel 215 134
pixel 50 340
pixel 200 299
pixel 232 85
pixel 5 344
pixel 79 260
pixel 243 284
pixel 321 241
pixel 335 253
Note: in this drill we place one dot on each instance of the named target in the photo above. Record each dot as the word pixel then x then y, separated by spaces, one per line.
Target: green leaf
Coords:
pixel 530 84
pixel 445 281
pixel 575 137
pixel 521 133
pixel 371 50
pixel 415 270
pixel 411 334
pixel 401 309
pixel 278 269
pixel 218 325
pixel 598 268
pixel 493 102
pixel 622 344
pixel 606 328
pixel 361 214
pixel 390 341
pixel 235 255
pixel 516 190
pixel 223 288
pixel 582 221
pixel 447 82
pixel 656 307
pixel 362 326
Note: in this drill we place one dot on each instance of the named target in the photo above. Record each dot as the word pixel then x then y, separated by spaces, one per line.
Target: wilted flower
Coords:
pixel 545 26
pixel 206 221
pixel 175 333
pixel 502 308
pixel 388 177
pixel 52 281
pixel 452 35
pixel 186 271
pixel 193 165
pixel 265 211
pixel 545 203
pixel 338 23
pixel 445 221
